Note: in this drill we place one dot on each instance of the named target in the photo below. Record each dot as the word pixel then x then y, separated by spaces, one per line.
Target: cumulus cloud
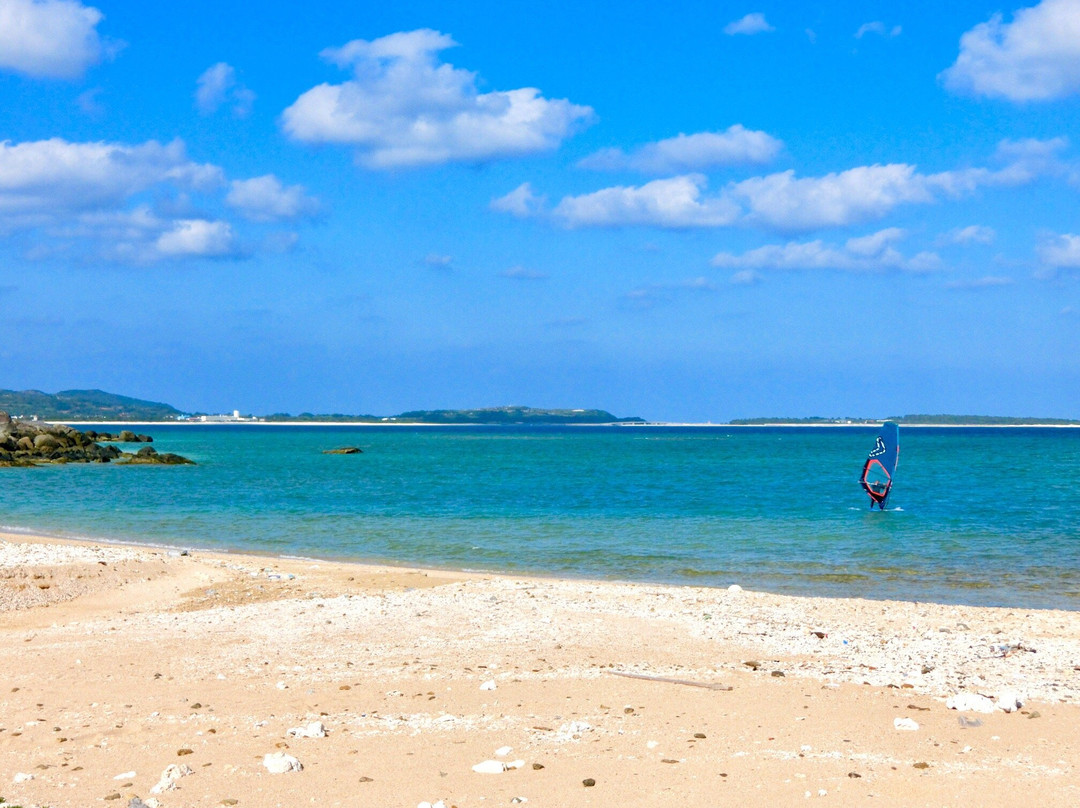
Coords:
pixel 690 153
pixel 754 23
pixel 133 203
pixel 197 238
pixel 49 38
pixel 1036 57
pixel 879 28
pixel 265 199
pixel 44 176
pixel 781 201
pixel 871 253
pixel 972 234
pixel 520 202
pixel 216 86
pixel 404 107
pixel 974 284
pixel 677 202
pixel 1059 252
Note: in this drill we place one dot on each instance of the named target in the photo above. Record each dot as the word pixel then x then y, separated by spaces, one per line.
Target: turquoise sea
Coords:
pixel 978 515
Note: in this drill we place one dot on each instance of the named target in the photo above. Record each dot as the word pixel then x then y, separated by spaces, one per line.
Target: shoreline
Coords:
pixel 647 425
pixel 124 663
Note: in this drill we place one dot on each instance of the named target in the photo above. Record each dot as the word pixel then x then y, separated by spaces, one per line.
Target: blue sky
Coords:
pixel 697 212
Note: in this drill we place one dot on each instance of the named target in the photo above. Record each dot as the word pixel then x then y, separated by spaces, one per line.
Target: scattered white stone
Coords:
pixel 281 685
pixel 905 723
pixel 822 792
pixel 488 685
pixel 125 776
pixel 734 588
pixel 445 719
pixel 573 731
pixel 1009 700
pixel 519 799
pixel 172 773
pixel 438 804
pixel 503 751
pixel 515 764
pixel 22 777
pixel 281 763
pixel 490 767
pixel 970 702
pixel 313 730
pixel 652 744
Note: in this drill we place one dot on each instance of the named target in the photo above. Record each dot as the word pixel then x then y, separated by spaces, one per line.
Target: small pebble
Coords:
pixel 588 782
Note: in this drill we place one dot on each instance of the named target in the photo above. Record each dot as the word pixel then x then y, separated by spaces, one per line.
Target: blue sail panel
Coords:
pixel 880 466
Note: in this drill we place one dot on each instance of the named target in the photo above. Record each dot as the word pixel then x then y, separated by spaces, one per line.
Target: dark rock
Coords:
pixel 44 442
pixel 25 443
pixel 344 450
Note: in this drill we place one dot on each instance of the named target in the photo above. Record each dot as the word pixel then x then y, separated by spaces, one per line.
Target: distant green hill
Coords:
pixel 83 405
pixel 979 420
pixel 935 420
pixel 512 415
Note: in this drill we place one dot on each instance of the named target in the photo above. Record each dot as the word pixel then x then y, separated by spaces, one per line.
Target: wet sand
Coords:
pixel 119 662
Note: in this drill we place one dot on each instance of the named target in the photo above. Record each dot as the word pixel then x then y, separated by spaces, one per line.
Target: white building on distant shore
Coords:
pixel 235 417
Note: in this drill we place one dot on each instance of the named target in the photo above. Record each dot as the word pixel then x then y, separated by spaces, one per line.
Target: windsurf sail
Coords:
pixel 880 466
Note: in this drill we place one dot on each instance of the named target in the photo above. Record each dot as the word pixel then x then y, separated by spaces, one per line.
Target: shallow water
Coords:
pixel 977 515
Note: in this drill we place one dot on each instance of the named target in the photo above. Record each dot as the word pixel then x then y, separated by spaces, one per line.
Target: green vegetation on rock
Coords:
pixel 83 405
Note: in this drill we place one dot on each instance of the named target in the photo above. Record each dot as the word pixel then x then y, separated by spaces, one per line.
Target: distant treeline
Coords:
pixel 980 420
pixel 97 405
pixel 83 405
pixel 942 420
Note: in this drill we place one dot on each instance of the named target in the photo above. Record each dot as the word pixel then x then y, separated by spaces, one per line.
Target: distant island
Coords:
pixel 922 420
pixel 97 405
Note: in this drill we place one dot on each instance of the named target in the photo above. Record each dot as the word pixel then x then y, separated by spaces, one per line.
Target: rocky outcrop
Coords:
pixel 29 443
pixel 344 450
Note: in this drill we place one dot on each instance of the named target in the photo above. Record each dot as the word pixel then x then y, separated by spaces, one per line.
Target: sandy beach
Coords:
pixel 136 676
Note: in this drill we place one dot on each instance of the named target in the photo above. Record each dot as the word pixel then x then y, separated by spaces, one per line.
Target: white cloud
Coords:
pixel 972 234
pixel 218 84
pixel 784 202
pixel 986 282
pixel 520 202
pixel 687 153
pixel 746 277
pixel 45 176
pixel 877 27
pixel 872 253
pixel 677 202
pixel 49 38
pixel 131 203
pixel 404 107
pixel 1036 57
pixel 437 261
pixel 654 293
pixel 265 199
pixel 520 273
pixel 754 23
pixel 197 238
pixel 1060 252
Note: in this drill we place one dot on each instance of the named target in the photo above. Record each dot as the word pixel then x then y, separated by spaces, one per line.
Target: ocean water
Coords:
pixel 977 515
